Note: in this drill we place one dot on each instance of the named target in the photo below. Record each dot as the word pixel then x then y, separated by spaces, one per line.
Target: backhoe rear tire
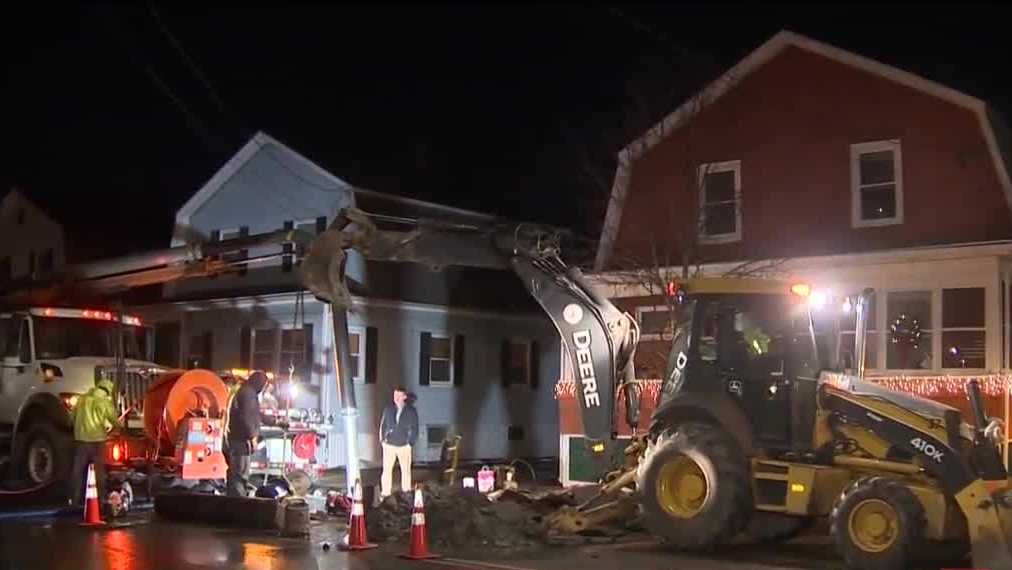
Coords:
pixel 694 487
pixel 878 524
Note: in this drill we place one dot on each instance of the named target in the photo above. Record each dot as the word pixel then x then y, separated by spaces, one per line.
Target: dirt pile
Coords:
pixel 457 520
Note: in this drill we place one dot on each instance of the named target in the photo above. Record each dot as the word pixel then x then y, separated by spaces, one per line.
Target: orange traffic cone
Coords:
pixel 92 515
pixel 419 541
pixel 356 538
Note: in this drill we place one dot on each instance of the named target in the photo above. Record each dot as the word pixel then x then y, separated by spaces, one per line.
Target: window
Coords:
pixel 167 343
pixel 31 264
pixel 963 332
pixel 356 346
pixel 876 180
pixel 5 269
pixel 46 263
pixel 720 202
pixel 656 322
pixel 848 324
pixel 265 350
pixel 293 350
pixel 312 226
pixel 908 312
pixel 200 351
pixel 517 362
pixel 441 360
pixel 515 433
pixel 435 434
pixel 9 330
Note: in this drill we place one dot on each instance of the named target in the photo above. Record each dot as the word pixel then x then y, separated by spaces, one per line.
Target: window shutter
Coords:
pixel 287 249
pixel 309 361
pixel 504 362
pixel 245 340
pixel 321 225
pixel 535 370
pixel 208 352
pixel 424 350
pixel 371 348
pixel 458 360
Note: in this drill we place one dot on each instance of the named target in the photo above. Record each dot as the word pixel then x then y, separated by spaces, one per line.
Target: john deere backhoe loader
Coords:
pixel 755 425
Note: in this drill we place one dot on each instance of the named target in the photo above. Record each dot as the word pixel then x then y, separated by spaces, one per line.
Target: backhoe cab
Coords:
pixel 757 429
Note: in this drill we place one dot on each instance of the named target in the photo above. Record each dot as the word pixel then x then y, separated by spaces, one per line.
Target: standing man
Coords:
pixel 93 416
pixel 398 432
pixel 243 431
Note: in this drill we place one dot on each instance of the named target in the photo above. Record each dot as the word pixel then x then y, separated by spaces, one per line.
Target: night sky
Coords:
pixel 115 115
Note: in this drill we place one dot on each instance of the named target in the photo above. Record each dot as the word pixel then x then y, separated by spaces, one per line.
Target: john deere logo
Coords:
pixel 573 313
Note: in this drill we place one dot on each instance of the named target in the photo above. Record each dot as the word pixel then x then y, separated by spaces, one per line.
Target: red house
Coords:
pixel 851 174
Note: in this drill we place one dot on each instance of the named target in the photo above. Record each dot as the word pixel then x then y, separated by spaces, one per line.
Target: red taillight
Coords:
pixel 48 312
pixel 117 452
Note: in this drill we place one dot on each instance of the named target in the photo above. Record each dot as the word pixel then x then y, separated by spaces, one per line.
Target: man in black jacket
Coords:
pixel 243 431
pixel 398 432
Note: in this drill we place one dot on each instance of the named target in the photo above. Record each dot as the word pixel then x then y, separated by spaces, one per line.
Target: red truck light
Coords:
pixel 117 452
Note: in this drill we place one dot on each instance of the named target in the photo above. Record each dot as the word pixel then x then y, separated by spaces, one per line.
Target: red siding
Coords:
pixel 791 123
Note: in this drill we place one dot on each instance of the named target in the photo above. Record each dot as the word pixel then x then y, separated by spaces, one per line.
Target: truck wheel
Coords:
pixel 45 454
pixel 878 524
pixel 694 487
pixel 766 527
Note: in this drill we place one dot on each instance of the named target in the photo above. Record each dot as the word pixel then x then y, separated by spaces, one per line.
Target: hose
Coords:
pixel 534 476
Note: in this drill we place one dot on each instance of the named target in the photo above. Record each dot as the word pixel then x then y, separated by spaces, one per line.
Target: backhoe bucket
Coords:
pixel 989 521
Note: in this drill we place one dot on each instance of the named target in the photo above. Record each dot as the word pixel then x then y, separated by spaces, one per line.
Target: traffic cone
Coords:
pixel 356 538
pixel 419 541
pixel 92 514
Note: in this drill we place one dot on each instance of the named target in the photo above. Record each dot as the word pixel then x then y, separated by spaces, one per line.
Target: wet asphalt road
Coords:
pixel 143 542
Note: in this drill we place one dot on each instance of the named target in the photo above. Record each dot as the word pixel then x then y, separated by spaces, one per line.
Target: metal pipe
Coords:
pixel 346 393
pixel 861 331
pixel 882 464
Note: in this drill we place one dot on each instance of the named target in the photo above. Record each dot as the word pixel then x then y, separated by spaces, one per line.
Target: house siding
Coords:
pixel 791 124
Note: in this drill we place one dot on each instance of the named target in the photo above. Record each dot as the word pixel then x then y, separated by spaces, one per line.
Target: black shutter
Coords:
pixel 535 371
pixel 371 348
pixel 458 360
pixel 504 362
pixel 245 339
pixel 308 358
pixel 208 352
pixel 424 350
pixel 321 225
pixel 287 249
pixel 243 253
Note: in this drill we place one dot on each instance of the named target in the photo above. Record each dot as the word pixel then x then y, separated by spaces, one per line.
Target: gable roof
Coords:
pixel 261 141
pixel 18 196
pixel 992 127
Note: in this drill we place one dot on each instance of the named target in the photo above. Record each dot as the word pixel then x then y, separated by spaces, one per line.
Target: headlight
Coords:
pixel 50 372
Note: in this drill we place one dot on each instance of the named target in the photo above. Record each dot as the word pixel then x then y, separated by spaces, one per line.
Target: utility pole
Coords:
pixel 346 392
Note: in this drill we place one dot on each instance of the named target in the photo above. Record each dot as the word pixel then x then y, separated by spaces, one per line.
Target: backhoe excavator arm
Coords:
pixel 600 340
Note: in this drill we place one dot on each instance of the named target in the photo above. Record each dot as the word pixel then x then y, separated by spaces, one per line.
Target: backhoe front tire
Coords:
pixel 878 524
pixel 694 487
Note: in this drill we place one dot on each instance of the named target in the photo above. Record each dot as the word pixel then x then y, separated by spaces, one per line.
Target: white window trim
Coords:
pixel 437 444
pixel 711 168
pixel 639 319
pixel 441 383
pixel 528 345
pixel 358 376
pixel 856 150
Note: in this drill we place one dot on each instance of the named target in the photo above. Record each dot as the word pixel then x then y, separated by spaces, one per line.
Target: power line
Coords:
pixel 192 65
pixel 145 66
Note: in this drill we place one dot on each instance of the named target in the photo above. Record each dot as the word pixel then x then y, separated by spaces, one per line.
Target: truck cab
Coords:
pixel 49 357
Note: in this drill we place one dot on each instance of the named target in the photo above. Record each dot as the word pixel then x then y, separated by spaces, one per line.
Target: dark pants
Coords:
pixel 238 459
pixel 85 453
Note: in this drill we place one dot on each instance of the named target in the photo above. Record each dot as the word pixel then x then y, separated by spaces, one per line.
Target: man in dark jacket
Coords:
pixel 398 432
pixel 243 431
